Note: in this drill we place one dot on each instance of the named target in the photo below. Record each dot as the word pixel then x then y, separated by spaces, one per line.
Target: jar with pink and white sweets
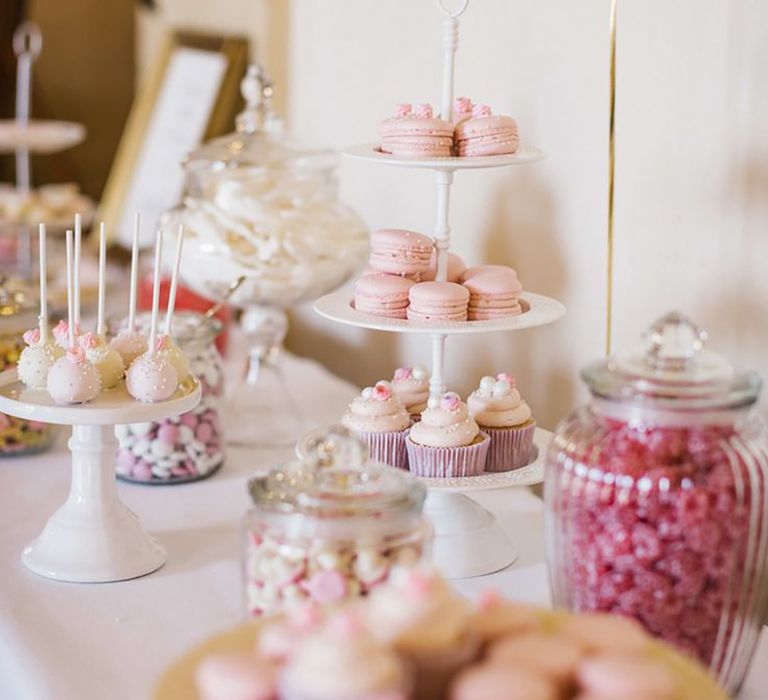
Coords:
pixel 190 446
pixel 656 499
pixel 330 527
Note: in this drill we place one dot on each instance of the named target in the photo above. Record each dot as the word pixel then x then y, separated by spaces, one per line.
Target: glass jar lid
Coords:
pixel 258 139
pixel 673 369
pixel 337 483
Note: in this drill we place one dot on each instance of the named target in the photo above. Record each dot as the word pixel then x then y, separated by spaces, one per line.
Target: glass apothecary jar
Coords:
pixel 181 448
pixel 656 499
pixel 18 436
pixel 329 528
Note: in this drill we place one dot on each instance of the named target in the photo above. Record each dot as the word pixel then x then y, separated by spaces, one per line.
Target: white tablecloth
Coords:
pixel 95 641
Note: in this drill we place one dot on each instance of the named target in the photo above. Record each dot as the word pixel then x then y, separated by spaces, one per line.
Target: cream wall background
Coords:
pixel 692 164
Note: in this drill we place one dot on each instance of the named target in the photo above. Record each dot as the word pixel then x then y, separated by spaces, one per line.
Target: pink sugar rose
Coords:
pixel 402 109
pixel 162 343
pixel 423 110
pixel 61 329
pixel 382 391
pixel 402 373
pixel 450 401
pixel 462 105
pixel 32 336
pixel 88 341
pixel 508 378
pixel 481 111
pixel 76 355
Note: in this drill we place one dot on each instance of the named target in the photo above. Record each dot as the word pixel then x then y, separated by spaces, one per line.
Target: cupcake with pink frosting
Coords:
pixel 499 410
pixel 378 417
pixel 447 441
pixel 411 387
pixel 345 662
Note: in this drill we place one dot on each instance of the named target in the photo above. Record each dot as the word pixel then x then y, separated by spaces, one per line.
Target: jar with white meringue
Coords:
pixel 188 447
pixel 329 528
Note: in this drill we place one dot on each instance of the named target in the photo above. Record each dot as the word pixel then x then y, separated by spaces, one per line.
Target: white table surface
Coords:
pixel 67 641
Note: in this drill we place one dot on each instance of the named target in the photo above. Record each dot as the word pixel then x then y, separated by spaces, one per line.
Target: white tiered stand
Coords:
pixel 468 540
pixel 93 537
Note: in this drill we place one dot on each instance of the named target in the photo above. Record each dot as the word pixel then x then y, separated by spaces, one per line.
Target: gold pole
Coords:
pixel 611 157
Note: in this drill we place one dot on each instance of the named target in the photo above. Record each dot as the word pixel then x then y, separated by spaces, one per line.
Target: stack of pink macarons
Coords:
pixel 494 292
pixel 414 132
pixel 399 260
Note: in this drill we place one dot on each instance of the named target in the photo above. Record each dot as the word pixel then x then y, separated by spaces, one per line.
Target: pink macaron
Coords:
pixel 382 295
pixel 438 301
pixel 415 132
pixel 456 267
pixel 493 295
pixel 471 272
pixel 486 134
pixel 400 252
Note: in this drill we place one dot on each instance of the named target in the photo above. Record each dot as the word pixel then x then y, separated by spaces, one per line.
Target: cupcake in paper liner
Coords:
pixel 498 409
pixel 447 442
pixel 379 419
pixel 344 661
pixel 419 615
pixel 411 387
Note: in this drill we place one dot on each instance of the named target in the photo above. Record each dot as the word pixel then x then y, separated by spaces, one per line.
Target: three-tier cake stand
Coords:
pixel 468 539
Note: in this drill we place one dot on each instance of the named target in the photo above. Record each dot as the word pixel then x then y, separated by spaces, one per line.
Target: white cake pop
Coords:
pixel 152 377
pixel 73 378
pixel 175 354
pixel 131 343
pixel 107 361
pixel 36 360
pixel 41 352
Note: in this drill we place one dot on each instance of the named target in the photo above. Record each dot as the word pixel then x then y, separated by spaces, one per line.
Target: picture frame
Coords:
pixel 190 95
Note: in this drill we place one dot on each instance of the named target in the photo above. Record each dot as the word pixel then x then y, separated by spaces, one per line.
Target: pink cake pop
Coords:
pixel 175 355
pixel 40 354
pixel 73 378
pixel 152 377
pixel 107 361
pixel 131 343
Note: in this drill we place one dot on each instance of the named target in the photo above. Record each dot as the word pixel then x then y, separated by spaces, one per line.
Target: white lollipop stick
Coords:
pixel 155 292
pixel 43 320
pixel 100 331
pixel 134 274
pixel 70 295
pixel 174 282
pixel 76 269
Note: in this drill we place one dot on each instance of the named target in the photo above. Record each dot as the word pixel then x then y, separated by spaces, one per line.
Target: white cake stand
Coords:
pixel 469 540
pixel 93 537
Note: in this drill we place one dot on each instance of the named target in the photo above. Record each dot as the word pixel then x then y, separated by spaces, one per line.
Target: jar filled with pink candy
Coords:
pixel 656 498
pixel 190 446
pixel 329 528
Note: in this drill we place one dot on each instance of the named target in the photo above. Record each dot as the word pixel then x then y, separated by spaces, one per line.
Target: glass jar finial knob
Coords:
pixel 673 341
pixel 257 90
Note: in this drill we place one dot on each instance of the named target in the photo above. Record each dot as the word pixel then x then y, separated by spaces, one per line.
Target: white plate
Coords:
pixel 370 152
pixel 109 407
pixel 538 310
pixel 40 136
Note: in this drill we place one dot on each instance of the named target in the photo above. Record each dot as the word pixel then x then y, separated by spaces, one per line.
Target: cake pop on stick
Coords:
pixel 73 378
pixel 177 358
pixel 38 357
pixel 131 343
pixel 152 377
pixel 108 362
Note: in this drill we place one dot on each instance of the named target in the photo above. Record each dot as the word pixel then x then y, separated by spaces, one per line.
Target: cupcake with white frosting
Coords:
pixel 378 418
pixel 345 662
pixel 500 411
pixel 411 387
pixel 447 441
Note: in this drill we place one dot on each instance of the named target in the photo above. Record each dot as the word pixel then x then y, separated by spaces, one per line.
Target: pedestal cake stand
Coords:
pixel 93 537
pixel 469 541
